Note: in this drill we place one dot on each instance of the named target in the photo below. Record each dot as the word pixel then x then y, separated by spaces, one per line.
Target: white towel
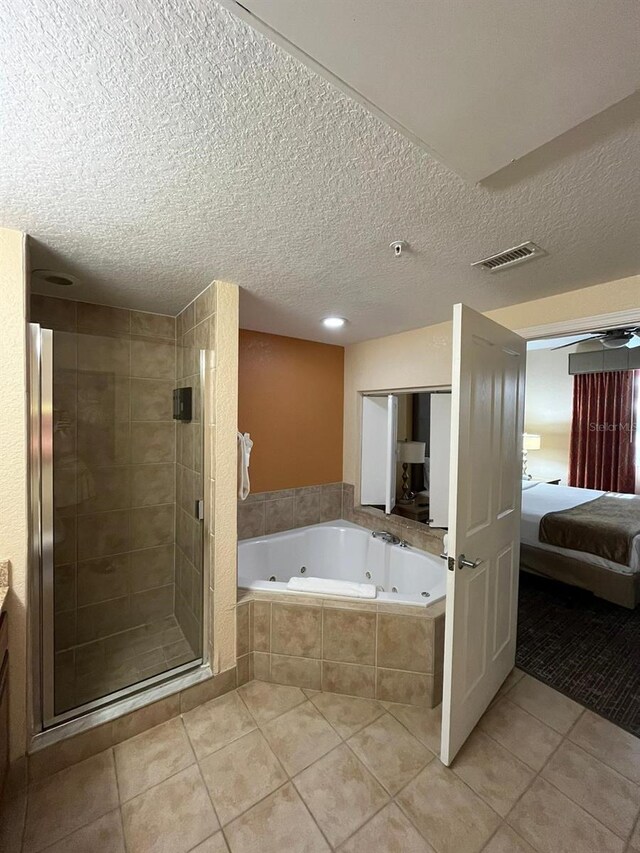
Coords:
pixel 328 586
pixel 244 452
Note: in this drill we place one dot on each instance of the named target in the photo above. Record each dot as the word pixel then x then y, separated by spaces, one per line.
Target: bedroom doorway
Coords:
pixel 579 619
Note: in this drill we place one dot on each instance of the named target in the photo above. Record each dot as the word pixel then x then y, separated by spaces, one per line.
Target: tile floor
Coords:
pixel 270 768
pixel 88 672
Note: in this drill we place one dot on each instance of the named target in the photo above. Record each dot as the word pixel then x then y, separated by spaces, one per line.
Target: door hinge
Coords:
pixel 451 564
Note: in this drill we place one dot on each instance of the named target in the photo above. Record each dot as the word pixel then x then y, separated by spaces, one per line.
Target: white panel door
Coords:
pixel 392 453
pixel 487 416
pixel 439 459
pixel 379 451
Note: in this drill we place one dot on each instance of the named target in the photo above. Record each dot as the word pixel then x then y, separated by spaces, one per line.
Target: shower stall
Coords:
pixel 117 501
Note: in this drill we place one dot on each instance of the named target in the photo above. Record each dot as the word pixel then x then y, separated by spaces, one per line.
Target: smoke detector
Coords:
pixel 60 279
pixel 510 257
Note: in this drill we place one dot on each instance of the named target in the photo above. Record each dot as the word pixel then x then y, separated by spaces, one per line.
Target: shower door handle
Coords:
pixel 200 510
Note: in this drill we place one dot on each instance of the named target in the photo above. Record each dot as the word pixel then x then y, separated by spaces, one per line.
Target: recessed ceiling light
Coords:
pixel 334 322
pixel 61 279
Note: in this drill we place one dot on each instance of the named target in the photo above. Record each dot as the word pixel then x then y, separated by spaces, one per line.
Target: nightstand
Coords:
pixel 415 511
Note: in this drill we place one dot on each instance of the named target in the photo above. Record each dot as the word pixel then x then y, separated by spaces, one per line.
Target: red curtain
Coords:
pixel 603 432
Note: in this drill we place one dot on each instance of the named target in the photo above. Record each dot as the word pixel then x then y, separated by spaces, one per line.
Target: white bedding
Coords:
pixel 540 498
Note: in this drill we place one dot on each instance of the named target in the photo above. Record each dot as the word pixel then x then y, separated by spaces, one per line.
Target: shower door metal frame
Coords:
pixel 41 503
pixel 42 562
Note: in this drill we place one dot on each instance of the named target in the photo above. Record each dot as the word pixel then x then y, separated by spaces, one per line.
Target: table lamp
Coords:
pixel 409 453
pixel 530 441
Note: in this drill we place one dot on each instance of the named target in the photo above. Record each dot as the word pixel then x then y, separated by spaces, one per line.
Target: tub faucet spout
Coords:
pixel 386 537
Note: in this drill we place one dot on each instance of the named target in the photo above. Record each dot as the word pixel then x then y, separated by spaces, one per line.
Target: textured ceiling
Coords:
pixel 151 146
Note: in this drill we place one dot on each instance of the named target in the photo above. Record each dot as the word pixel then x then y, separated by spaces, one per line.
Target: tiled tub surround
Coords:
pixel 114 495
pixel 367 649
pixel 272 512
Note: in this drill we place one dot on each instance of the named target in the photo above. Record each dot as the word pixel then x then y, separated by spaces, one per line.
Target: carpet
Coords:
pixel 581 646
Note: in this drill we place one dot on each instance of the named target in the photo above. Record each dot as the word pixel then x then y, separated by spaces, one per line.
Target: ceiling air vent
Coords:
pixel 516 255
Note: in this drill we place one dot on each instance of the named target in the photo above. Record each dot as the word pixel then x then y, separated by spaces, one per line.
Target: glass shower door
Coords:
pixel 121 546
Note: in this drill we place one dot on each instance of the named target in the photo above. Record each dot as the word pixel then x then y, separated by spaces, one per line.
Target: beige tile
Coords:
pixel 102 534
pixel 340 793
pixel 348 678
pixel 103 355
pixel 405 642
pixel 507 841
pixel 407 688
pixel 261 666
pixel 267 701
pixel 54 313
pixel 552 823
pixel 390 752
pixel 492 772
pixel 605 794
pixel 172 817
pixel 299 737
pixel 111 490
pixel 65 753
pixel 152 484
pixel 330 505
pixel 215 844
pixel 152 526
pixel 251 520
pixel 634 842
pixel 299 672
pixel 423 723
pixel 217 723
pixel 513 678
pixel 306 509
pixel 349 636
pixel 206 690
pixel 278 515
pixel 103 835
pixel 145 718
pixel 103 320
pixel 296 630
pixel 151 400
pixel 152 360
pixel 521 733
pixel 151 567
pixel 243 629
pixel 147 325
pixel 241 774
pixel 388 831
pixel 102 579
pixel 611 744
pixel 261 626
pixel 152 442
pixel 347 714
pixel 545 703
pixel 151 757
pixel 70 799
pixel 447 813
pixel 276 824
pixel 244 667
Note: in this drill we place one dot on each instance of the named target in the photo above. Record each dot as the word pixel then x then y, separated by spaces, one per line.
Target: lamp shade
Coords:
pixel 531 441
pixel 411 451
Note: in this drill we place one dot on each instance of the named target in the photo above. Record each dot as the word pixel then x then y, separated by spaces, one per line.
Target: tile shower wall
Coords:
pixel 114 476
pixel 286 509
pixel 195 332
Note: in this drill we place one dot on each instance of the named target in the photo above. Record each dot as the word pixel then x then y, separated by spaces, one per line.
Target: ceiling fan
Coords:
pixel 611 339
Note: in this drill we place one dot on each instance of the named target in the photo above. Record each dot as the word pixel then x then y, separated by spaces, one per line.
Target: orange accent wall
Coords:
pixel 290 398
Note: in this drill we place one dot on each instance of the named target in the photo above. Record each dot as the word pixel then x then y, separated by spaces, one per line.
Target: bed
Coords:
pixel 614 581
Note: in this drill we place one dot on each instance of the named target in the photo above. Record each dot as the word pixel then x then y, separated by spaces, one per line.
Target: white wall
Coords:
pixel 548 407
pixel 13 471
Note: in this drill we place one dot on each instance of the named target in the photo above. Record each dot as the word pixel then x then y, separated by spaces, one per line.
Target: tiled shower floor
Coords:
pixel 274 769
pixel 96 669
